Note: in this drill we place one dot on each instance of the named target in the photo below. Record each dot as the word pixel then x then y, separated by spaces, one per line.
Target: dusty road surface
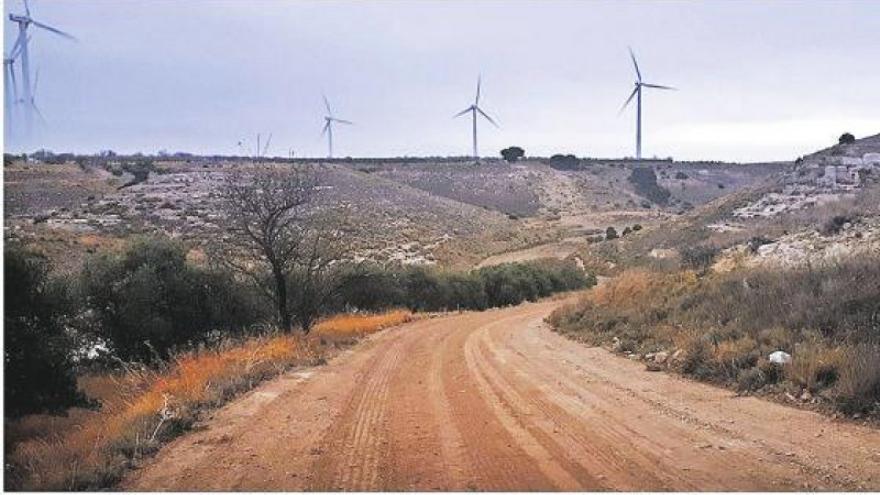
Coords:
pixel 495 401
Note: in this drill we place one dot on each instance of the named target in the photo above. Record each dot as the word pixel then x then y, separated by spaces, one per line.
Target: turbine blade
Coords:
pixel 479 81
pixel 36 80
pixel 635 64
pixel 343 121
pixel 39 113
pixel 484 114
pixel 14 85
pixel 657 86
pixel 326 126
pixel 27 8
pixel 54 30
pixel 466 110
pixel 327 105
pixel 631 96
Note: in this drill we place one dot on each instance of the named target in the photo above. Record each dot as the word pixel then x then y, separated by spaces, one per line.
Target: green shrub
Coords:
pixel 37 351
pixel 150 299
pixel 421 288
pixel 645 181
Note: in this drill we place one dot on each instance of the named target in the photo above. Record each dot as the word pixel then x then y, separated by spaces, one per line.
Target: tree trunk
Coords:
pixel 281 293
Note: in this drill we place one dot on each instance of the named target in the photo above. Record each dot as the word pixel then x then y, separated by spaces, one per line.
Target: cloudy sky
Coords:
pixel 757 80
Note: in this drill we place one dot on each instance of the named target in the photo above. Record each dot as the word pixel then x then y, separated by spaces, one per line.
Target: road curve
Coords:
pixel 496 401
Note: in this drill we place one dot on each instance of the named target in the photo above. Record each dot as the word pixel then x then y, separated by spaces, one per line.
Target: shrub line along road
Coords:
pixel 496 401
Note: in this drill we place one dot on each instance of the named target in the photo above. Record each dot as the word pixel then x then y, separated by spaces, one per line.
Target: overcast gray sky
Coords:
pixel 758 80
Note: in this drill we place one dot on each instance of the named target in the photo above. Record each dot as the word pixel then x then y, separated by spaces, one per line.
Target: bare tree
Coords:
pixel 321 269
pixel 277 239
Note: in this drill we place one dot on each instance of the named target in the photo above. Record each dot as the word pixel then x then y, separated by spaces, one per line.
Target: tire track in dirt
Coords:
pixel 359 433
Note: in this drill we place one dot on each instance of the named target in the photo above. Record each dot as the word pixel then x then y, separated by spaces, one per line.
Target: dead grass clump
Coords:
pixel 815 365
pixel 348 326
pixel 858 385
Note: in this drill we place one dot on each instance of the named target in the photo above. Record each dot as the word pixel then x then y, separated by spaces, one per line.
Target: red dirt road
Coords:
pixel 496 401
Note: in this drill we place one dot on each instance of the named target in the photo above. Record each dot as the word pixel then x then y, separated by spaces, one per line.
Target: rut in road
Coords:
pixel 496 401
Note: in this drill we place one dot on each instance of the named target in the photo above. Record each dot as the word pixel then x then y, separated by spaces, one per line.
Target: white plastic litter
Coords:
pixel 779 357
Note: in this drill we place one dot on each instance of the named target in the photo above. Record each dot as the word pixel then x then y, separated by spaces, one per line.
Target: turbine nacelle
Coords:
pixel 475 109
pixel 637 91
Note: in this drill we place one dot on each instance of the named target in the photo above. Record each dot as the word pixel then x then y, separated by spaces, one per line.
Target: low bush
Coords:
pixel 858 385
pixel 429 289
pixel 38 371
pixel 698 257
pixel 644 179
pixel 727 324
pixel 149 299
pixel 834 224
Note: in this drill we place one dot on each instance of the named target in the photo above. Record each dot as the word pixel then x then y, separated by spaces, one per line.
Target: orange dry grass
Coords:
pixel 93 451
pixel 360 325
pixel 640 288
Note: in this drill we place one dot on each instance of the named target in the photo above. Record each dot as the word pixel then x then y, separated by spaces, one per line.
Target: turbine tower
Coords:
pixel 329 119
pixel 637 93
pixel 474 110
pixel 24 21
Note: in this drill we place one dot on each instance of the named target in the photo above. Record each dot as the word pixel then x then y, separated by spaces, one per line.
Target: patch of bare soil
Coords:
pixel 496 401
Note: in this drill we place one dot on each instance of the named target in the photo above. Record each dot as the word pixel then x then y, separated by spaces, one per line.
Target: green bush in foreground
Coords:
pixel 149 299
pixel 38 372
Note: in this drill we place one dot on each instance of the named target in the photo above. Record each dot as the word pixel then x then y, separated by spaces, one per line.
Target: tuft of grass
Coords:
pixel 858 386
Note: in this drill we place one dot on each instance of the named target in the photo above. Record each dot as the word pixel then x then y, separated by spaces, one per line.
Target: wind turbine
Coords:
pixel 11 85
pixel 474 110
pixel 329 119
pixel 637 92
pixel 24 21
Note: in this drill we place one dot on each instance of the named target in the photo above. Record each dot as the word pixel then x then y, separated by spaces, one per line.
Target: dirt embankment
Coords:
pixel 495 401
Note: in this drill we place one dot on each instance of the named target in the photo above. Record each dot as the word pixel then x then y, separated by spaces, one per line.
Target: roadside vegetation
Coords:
pixel 723 327
pixel 106 362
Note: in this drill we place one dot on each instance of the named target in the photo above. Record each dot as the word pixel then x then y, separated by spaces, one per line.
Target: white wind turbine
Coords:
pixel 474 110
pixel 637 92
pixel 24 21
pixel 329 119
pixel 11 85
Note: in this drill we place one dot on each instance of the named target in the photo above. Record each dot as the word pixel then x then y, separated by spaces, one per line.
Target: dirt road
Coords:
pixel 495 401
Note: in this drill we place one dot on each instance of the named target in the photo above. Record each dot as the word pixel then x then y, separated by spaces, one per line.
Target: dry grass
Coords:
pixel 347 326
pixel 142 408
pixel 727 324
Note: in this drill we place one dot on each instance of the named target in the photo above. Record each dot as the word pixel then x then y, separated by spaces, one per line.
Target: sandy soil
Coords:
pixel 496 401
